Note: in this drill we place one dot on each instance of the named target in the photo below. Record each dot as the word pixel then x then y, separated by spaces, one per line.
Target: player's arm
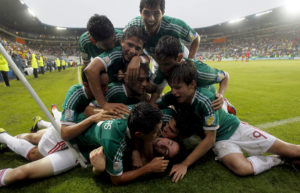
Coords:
pixel 194 47
pixel 157 165
pixel 71 131
pixel 134 66
pixel 92 72
pixel 179 170
pixel 218 102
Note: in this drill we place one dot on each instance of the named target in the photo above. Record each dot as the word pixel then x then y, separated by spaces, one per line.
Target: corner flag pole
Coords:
pixel 39 102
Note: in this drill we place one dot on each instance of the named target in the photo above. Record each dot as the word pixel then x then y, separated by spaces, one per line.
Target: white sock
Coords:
pixel 263 163
pixel 43 124
pixel 2 176
pixel 19 146
pixel 56 114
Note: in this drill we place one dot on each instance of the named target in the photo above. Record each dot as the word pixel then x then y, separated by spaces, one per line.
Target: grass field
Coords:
pixel 262 91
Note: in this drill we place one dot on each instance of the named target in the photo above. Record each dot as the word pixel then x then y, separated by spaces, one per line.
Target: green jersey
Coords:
pixel 117 94
pixel 219 120
pixel 109 134
pixel 88 49
pixel 207 76
pixel 75 102
pixel 169 26
pixel 113 62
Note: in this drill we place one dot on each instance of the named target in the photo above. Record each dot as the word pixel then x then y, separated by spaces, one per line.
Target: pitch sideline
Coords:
pixel 277 123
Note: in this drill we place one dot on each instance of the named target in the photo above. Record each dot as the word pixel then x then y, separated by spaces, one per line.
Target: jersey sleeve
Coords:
pixel 86 57
pixel 137 21
pixel 184 31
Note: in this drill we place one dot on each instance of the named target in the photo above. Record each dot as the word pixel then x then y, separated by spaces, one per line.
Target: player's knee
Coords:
pixel 241 169
pixel 34 154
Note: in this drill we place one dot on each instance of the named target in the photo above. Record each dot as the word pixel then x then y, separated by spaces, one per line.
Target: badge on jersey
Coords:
pixel 210 120
pixel 69 115
pixel 118 166
pixel 221 76
pixel 192 36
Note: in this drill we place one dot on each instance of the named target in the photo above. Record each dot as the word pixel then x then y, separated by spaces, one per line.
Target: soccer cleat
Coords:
pixel 230 107
pixel 35 127
pixel 2 130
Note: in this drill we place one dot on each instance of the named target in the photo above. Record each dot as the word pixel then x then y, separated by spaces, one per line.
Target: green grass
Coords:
pixel 262 91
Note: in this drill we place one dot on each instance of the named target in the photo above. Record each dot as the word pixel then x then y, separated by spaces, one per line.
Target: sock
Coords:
pixel 2 176
pixel 56 114
pixel 19 146
pixel 263 163
pixel 43 124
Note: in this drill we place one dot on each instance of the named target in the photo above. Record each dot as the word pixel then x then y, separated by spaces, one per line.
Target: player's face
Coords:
pixel 183 92
pixel 166 65
pixel 104 83
pixel 151 18
pixel 166 147
pixel 139 87
pixel 170 130
pixel 107 44
pixel 132 46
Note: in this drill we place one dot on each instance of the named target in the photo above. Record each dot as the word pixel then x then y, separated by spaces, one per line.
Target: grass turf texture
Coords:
pixel 262 91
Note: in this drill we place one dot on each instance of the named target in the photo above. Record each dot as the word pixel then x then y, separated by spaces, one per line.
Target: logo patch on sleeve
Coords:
pixel 69 115
pixel 210 120
pixel 192 36
pixel 118 166
pixel 221 76
pixel 106 59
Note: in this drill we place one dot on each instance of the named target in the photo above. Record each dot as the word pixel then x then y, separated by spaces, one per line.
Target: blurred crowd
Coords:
pixel 257 47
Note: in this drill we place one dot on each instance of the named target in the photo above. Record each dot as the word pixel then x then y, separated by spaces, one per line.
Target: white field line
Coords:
pixel 277 123
pixel 79 75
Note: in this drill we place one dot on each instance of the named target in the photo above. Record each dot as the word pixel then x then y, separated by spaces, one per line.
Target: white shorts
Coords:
pixel 248 138
pixel 51 142
pixel 62 161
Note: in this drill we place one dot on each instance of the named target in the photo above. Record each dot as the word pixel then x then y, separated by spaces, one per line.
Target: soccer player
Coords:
pixel 156 24
pixel 119 58
pixel 100 37
pixel 130 92
pixel 224 132
pixel 168 54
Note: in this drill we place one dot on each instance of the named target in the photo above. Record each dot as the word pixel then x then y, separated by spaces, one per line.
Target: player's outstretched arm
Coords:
pixel 194 47
pixel 157 165
pixel 179 170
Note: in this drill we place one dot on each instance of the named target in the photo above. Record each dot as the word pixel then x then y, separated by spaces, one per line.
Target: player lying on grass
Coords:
pixel 168 53
pixel 224 132
pixel 111 141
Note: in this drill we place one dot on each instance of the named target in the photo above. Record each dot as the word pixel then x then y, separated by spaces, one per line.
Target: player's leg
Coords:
pixel 33 138
pixel 285 149
pixel 50 165
pixel 19 146
pixel 238 164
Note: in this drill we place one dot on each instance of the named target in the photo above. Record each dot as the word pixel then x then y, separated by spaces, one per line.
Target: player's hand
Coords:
pixel 103 115
pixel 121 75
pixel 98 160
pixel 218 102
pixel 158 164
pixel 116 108
pixel 133 69
pixel 91 110
pixel 178 171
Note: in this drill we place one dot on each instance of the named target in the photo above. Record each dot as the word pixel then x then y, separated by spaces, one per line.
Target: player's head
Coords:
pixel 144 121
pixel 103 78
pixel 102 32
pixel 152 12
pixel 166 147
pixel 132 42
pixel 168 52
pixel 182 80
pixel 138 87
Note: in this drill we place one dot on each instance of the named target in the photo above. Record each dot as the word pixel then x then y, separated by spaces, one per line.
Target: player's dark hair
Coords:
pixel 146 69
pixel 167 46
pixel 187 122
pixel 183 72
pixel 152 4
pixel 134 31
pixel 143 118
pixel 100 27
